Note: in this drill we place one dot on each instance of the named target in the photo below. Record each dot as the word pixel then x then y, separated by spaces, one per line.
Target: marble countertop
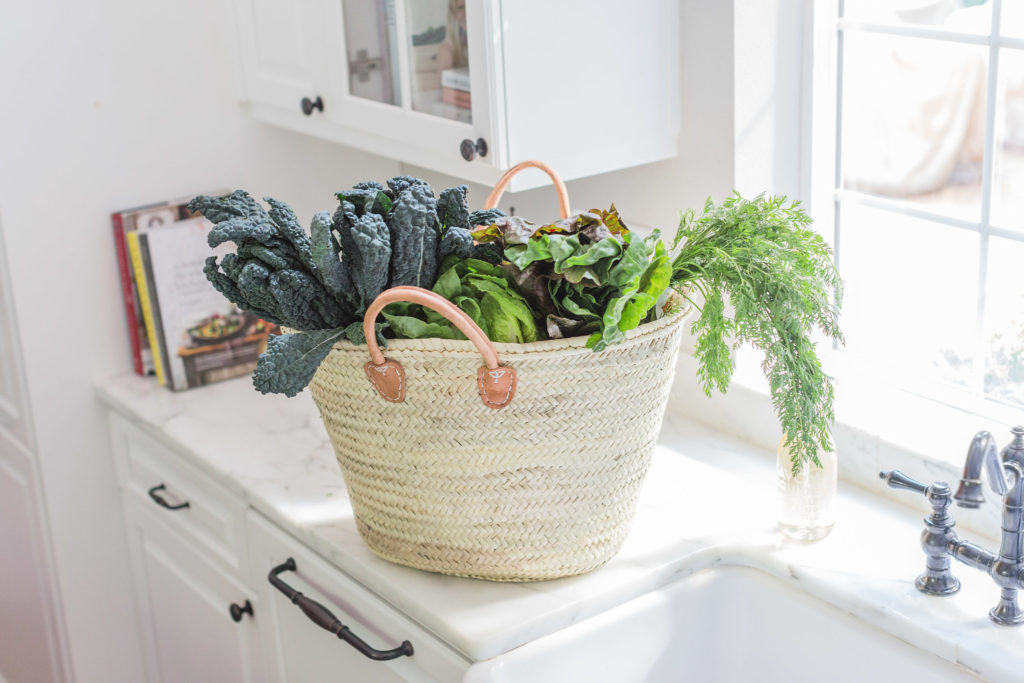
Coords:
pixel 708 500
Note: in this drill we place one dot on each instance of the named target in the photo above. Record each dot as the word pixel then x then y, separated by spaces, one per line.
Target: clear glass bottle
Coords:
pixel 807 499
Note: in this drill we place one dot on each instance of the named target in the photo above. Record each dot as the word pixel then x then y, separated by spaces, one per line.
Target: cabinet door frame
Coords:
pixel 403 125
pixel 144 527
pixel 285 84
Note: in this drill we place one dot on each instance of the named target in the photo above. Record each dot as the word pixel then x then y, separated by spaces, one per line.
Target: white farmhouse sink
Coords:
pixel 720 624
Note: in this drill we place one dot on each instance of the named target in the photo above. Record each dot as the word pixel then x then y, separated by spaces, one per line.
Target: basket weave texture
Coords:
pixel 543 488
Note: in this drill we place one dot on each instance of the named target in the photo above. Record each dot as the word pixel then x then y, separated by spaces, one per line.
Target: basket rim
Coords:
pixel 511 348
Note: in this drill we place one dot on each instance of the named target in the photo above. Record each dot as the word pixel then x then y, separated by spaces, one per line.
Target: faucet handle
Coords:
pixel 898 480
pixel 938 533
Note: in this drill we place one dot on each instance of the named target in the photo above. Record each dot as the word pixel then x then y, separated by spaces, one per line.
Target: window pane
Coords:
pixel 966 16
pixel 1011 21
pixel 1008 168
pixel 911 293
pixel 913 121
pixel 439 58
pixel 371 50
pixel 1004 324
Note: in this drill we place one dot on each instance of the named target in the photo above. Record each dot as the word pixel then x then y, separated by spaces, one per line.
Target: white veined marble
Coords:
pixel 708 500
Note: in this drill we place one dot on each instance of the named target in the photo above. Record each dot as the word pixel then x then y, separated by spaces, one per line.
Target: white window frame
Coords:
pixel 823 108
pixel 880 424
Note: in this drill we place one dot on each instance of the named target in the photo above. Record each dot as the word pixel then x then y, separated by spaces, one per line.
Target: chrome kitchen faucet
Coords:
pixel 1005 475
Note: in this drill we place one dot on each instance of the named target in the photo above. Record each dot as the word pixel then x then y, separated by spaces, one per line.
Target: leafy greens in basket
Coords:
pixel 483 290
pixel 321 283
pixel 755 270
pixel 586 274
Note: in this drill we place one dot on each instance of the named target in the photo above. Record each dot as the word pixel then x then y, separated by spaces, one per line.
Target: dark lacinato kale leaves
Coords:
pixel 228 286
pixel 485 217
pixel 253 229
pixel 457 241
pixel 288 225
pixel 238 204
pixel 366 250
pixel 321 282
pixel 414 236
pixel 291 360
pixel 366 200
pixel 453 207
pixel 401 183
pixel 369 185
pixel 272 273
pixel 326 252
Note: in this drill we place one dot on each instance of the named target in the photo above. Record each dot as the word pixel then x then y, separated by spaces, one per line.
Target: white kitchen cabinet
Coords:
pixel 297 649
pixel 186 544
pixel 588 87
pixel 206 609
pixel 185 607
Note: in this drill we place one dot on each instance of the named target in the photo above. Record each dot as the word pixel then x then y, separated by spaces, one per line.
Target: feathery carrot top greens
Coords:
pixel 780 280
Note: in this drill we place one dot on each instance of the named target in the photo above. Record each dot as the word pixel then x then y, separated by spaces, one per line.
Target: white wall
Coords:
pixel 116 103
pixel 108 105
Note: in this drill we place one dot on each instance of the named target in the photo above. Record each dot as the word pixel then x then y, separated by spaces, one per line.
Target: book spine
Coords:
pixel 128 292
pixel 456 79
pixel 154 305
pixel 147 309
pixel 458 98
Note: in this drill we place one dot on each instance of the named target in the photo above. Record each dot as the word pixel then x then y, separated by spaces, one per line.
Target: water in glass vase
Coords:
pixel 806 499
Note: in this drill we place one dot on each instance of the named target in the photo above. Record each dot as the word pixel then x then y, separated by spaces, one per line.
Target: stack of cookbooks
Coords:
pixel 455 88
pixel 180 328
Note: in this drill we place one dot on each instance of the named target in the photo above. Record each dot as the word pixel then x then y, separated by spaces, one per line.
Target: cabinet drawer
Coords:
pixel 298 650
pixel 185 498
pixel 198 622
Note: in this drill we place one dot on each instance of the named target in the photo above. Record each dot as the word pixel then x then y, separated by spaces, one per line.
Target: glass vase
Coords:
pixel 807 498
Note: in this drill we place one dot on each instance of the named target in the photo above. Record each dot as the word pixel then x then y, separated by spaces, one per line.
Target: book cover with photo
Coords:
pixel 125 222
pixel 204 338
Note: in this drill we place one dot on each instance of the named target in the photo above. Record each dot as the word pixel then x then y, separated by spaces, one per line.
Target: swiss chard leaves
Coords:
pixel 483 291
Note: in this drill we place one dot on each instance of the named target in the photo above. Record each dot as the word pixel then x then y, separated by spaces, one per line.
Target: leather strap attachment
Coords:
pixel 495 383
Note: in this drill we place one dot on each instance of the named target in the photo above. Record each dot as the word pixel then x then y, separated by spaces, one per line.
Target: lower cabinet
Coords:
pixel 207 610
pixel 198 623
pixel 296 648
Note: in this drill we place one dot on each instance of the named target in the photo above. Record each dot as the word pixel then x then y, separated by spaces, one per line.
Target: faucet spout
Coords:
pixel 983 452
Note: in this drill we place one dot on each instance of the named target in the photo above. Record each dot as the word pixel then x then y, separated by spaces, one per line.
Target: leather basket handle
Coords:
pixel 496 383
pixel 499 189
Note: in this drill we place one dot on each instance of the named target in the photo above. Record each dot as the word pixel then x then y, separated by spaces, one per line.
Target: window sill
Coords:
pixel 877 428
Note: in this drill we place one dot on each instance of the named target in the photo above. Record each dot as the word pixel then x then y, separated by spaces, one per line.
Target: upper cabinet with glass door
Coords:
pixel 471 87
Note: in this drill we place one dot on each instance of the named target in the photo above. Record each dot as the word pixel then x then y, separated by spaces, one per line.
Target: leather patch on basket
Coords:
pixel 388 379
pixel 497 387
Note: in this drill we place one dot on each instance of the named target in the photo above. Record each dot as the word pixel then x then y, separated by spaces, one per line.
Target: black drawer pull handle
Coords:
pixel 322 617
pixel 159 500
pixel 237 612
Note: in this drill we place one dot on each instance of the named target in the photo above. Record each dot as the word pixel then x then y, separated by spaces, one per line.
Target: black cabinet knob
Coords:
pixel 309 105
pixel 237 612
pixel 470 149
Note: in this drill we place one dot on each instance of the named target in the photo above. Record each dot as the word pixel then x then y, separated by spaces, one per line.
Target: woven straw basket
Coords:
pixel 539 487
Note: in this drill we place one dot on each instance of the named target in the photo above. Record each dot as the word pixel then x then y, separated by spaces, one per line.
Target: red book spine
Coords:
pixel 128 292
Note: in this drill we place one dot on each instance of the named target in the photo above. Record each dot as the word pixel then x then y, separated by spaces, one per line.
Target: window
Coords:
pixel 924 169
